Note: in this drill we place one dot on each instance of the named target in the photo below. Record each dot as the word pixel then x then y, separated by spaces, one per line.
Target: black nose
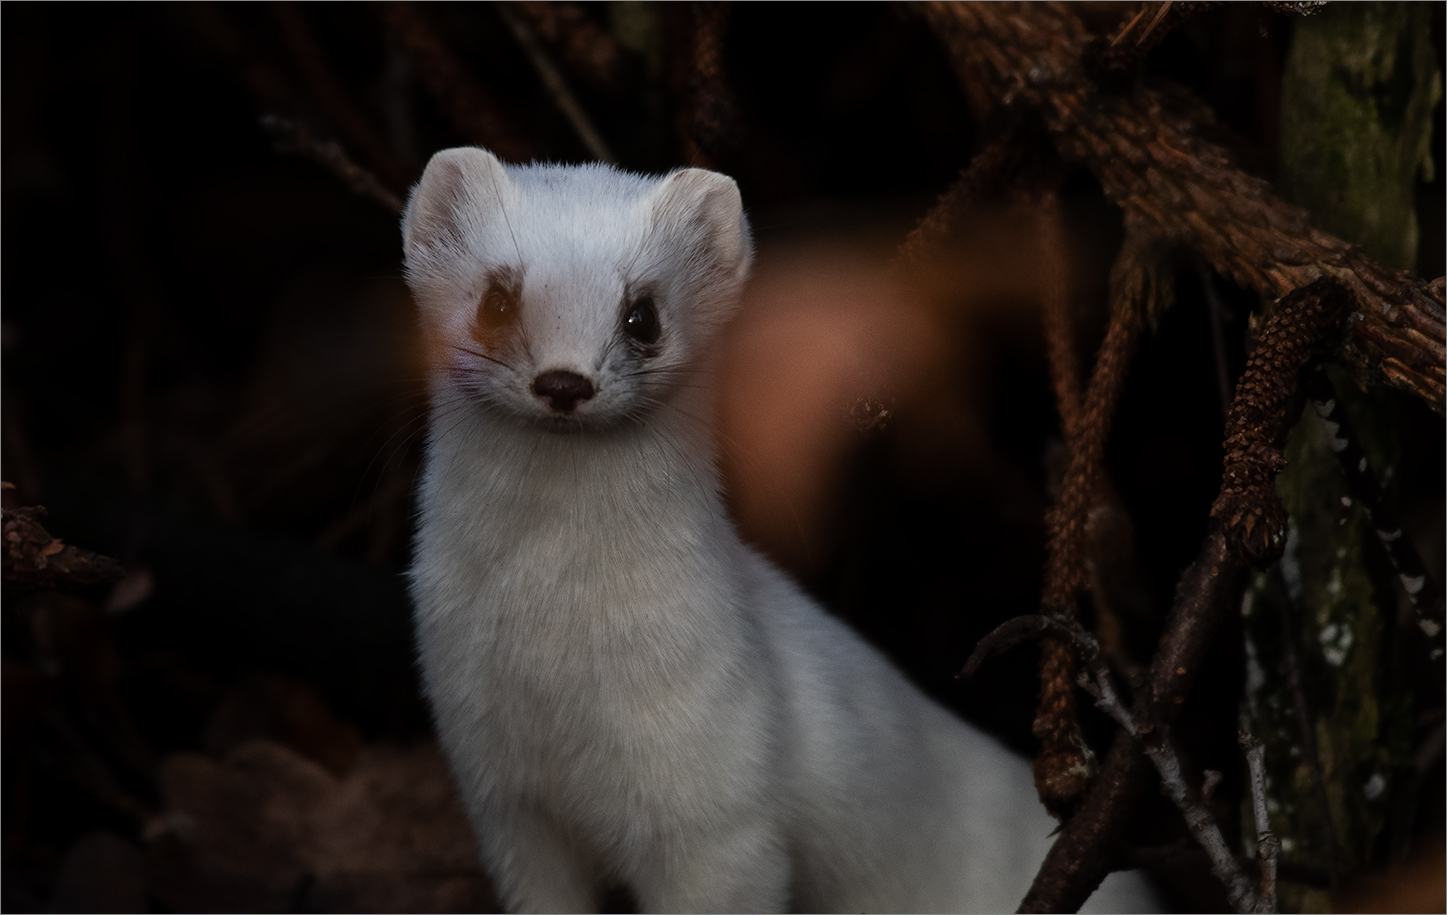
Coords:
pixel 562 390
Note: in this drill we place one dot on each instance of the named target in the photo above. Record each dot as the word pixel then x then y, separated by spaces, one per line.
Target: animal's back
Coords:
pixel 900 806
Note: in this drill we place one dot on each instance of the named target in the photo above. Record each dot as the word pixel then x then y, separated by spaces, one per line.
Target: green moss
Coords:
pixel 1357 100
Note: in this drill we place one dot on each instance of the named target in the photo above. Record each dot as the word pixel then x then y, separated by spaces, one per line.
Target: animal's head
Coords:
pixel 576 296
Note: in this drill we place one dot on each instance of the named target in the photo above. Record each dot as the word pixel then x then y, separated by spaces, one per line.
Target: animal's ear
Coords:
pixel 460 187
pixel 707 205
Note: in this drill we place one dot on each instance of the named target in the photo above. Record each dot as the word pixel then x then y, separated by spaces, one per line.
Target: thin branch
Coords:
pixel 557 87
pixel 587 48
pixel 1064 762
pixel 984 173
pixel 1268 846
pixel 1154 741
pixel 1120 54
pixel 1088 842
pixel 1201 823
pixel 294 137
pixel 1140 288
pixel 1057 315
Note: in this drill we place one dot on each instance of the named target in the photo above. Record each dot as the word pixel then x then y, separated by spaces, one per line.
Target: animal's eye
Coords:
pixel 641 322
pixel 498 308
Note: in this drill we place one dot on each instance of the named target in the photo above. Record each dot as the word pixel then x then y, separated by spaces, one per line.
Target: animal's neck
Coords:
pixel 652 480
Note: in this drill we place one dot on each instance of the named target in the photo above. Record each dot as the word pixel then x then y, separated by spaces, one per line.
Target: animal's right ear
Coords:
pixel 460 188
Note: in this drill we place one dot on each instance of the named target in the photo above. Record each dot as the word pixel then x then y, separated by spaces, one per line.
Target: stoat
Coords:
pixel 627 692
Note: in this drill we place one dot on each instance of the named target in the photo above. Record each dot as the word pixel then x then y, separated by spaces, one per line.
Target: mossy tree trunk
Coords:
pixel 1324 690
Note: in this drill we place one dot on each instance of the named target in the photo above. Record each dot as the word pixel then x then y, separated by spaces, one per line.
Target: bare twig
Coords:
pixel 707 119
pixel 1268 846
pixel 294 137
pixel 1155 741
pixel 1087 844
pixel 1200 822
pixel 557 87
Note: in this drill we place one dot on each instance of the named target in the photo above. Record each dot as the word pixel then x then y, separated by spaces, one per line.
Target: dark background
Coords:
pixel 208 367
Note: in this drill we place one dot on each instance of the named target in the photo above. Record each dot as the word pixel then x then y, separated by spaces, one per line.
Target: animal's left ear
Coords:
pixel 707 205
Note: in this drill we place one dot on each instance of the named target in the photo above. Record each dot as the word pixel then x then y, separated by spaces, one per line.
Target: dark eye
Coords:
pixel 497 310
pixel 641 322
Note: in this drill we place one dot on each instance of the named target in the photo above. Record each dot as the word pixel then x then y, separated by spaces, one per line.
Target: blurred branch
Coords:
pixel 212 23
pixel 985 172
pixel 588 49
pixel 1148 147
pixel 333 97
pixel 557 87
pixel 708 120
pixel 294 137
pixel 472 111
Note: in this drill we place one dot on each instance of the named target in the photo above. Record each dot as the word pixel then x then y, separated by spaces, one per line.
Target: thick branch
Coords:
pixel 1248 507
pixel 1149 148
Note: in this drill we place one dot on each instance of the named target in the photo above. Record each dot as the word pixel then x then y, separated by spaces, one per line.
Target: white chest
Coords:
pixel 581 628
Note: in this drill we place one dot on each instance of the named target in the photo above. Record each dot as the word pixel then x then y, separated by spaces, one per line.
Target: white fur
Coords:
pixel 628 693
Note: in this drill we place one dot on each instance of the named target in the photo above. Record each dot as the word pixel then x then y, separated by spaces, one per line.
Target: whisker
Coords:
pixel 473 352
